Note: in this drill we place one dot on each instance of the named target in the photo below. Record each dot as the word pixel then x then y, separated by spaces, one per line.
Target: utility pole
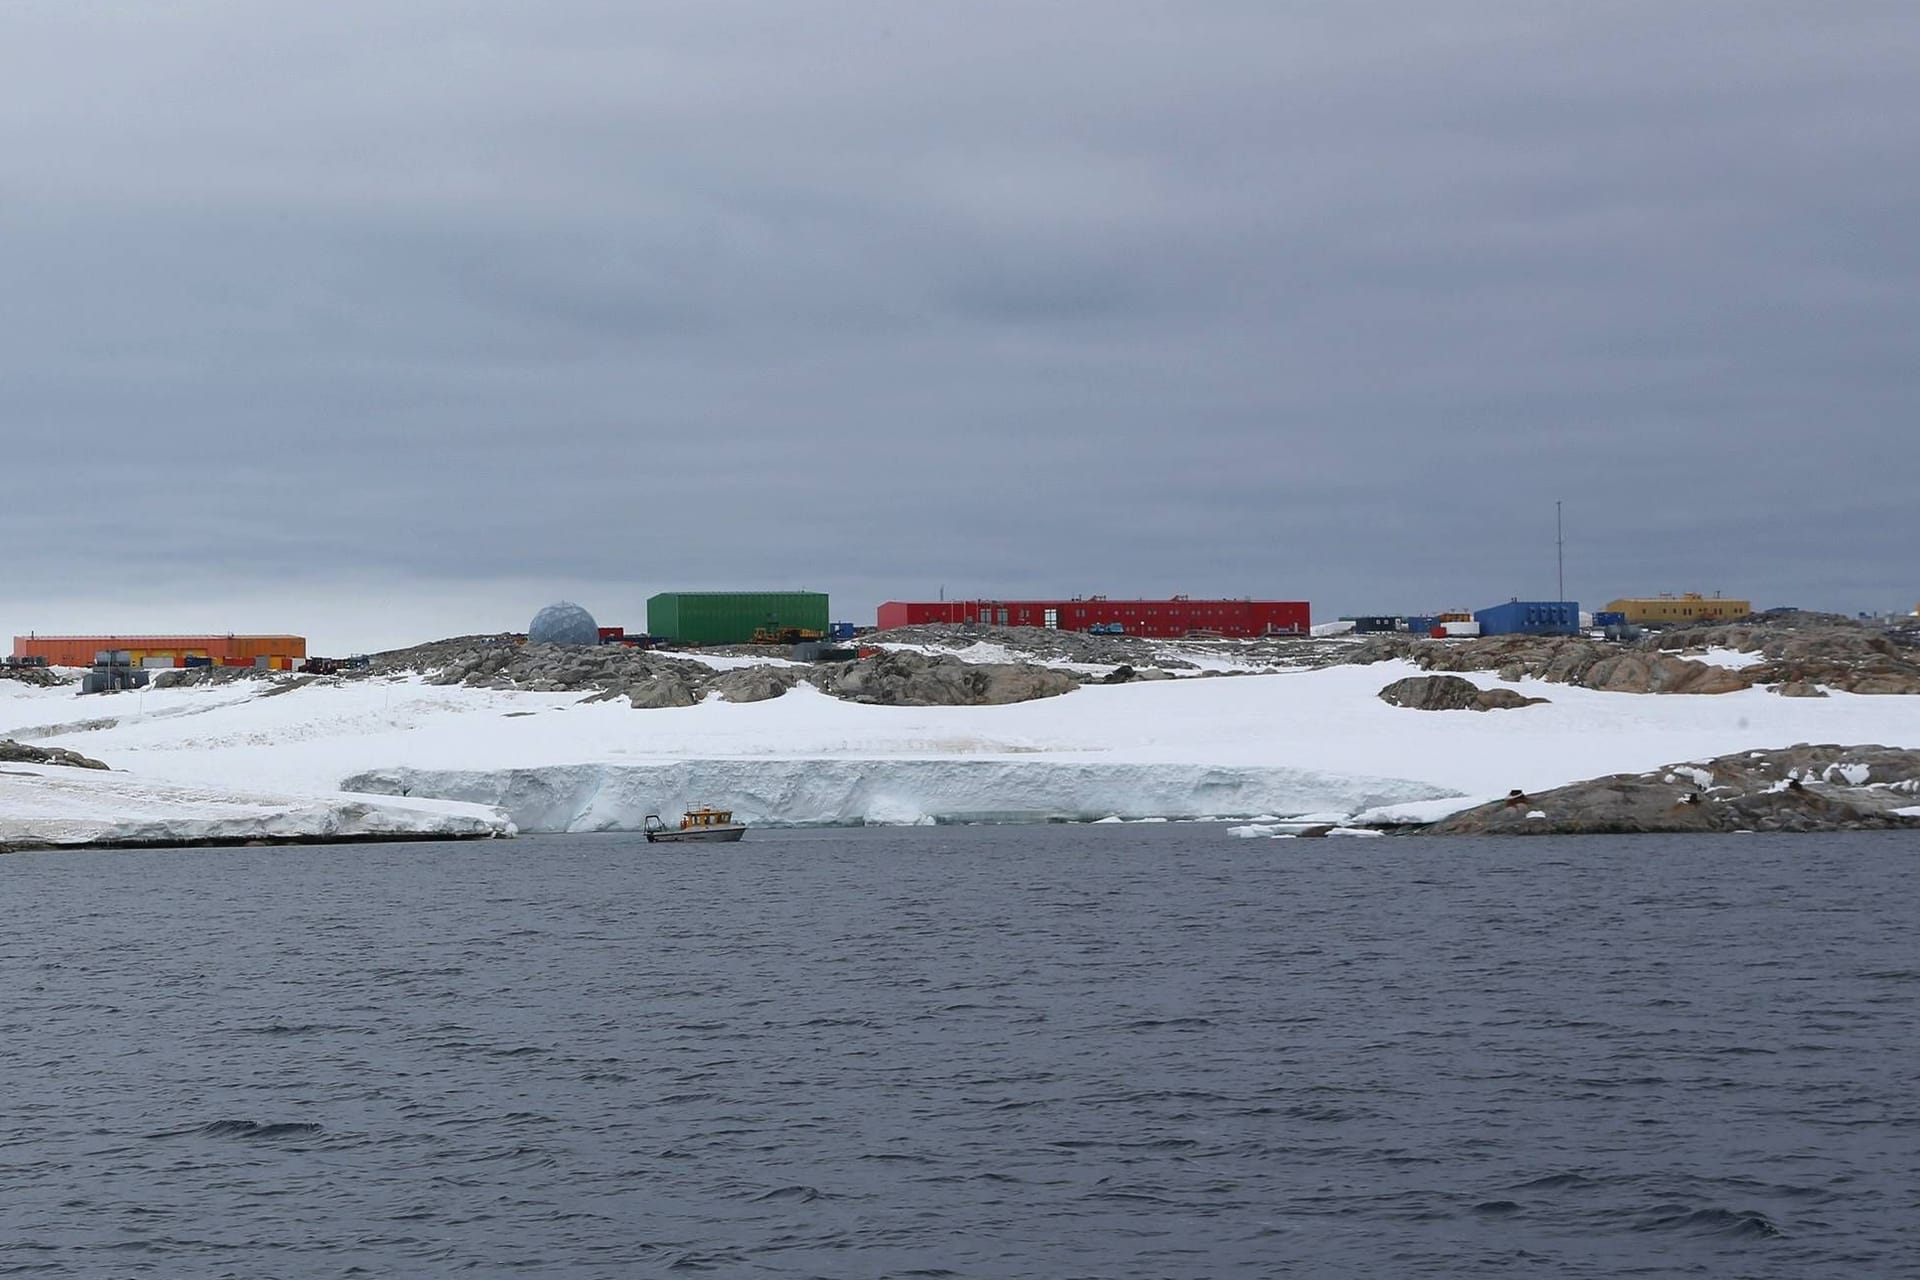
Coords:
pixel 1560 549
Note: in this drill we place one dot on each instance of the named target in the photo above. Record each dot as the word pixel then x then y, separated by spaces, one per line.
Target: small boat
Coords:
pixel 697 824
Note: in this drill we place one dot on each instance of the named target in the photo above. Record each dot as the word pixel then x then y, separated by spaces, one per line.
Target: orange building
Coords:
pixel 278 652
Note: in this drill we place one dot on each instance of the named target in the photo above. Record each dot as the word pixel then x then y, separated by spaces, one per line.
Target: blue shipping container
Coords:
pixel 1530 618
pixel 1610 618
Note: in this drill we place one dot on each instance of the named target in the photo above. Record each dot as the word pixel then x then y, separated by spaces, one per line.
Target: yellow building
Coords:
pixel 1682 608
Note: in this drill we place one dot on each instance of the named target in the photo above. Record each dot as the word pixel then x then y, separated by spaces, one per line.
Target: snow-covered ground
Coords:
pixel 1310 742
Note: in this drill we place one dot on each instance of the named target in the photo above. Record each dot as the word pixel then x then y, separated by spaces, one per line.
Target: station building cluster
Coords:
pixel 701 618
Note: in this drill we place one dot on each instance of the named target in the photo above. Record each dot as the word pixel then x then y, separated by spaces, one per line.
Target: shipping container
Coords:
pixel 732 617
pixel 1530 618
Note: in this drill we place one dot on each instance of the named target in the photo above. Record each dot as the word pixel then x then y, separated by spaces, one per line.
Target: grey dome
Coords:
pixel 563 623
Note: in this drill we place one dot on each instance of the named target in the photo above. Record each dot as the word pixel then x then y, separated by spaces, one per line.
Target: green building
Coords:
pixel 732 617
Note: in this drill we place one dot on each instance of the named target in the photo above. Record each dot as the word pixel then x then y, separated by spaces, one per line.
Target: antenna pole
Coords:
pixel 1560 549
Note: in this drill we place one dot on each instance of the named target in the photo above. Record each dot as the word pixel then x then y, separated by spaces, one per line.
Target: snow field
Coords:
pixel 1309 742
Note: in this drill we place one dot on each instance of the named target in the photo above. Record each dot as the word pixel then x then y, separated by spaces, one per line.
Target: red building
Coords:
pixel 282 653
pixel 1169 619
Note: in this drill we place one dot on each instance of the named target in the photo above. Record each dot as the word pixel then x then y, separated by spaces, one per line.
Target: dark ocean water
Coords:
pixel 1142 1051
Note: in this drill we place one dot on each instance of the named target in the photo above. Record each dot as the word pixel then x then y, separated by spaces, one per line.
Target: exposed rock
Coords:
pixel 1659 673
pixel 1451 693
pixel 661 691
pixel 1285 652
pixel 755 684
pixel 189 677
pixel 1801 788
pixel 651 679
pixel 908 679
pixel 1503 700
pixel 1038 642
pixel 1797 651
pixel 12 752
pixel 43 677
pixel 1800 689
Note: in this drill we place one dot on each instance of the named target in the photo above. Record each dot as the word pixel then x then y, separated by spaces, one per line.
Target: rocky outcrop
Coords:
pixel 1040 642
pixel 667 690
pixel 1798 658
pixel 40 677
pixel 1049 644
pixel 650 679
pixel 1451 693
pixel 1803 652
pixel 1591 664
pixel 755 684
pixel 1800 788
pixel 903 678
pixel 1127 674
pixel 189 677
pixel 1659 673
pixel 12 752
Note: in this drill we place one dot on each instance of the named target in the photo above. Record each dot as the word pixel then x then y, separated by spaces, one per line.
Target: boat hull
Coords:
pixel 704 835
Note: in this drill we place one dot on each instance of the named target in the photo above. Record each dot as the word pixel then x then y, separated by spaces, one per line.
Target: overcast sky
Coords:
pixel 379 322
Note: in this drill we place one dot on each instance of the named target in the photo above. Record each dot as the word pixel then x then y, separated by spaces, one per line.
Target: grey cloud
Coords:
pixel 1328 301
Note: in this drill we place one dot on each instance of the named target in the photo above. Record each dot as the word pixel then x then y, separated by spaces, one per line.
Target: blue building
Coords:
pixel 1530 618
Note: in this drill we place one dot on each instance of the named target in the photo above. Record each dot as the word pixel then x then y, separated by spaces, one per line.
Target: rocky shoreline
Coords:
pixel 1803 788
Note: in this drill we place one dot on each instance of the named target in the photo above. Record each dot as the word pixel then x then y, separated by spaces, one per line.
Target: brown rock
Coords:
pixel 1800 788
pixel 1450 693
pixel 1800 689
pixel 12 752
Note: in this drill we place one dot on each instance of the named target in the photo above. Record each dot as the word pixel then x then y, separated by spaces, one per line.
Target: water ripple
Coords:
pixel 1006 1052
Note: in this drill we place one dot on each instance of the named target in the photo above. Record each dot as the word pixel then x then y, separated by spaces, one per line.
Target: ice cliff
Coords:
pixel 616 797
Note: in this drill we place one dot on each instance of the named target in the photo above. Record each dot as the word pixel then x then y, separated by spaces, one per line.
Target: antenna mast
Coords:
pixel 1560 549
